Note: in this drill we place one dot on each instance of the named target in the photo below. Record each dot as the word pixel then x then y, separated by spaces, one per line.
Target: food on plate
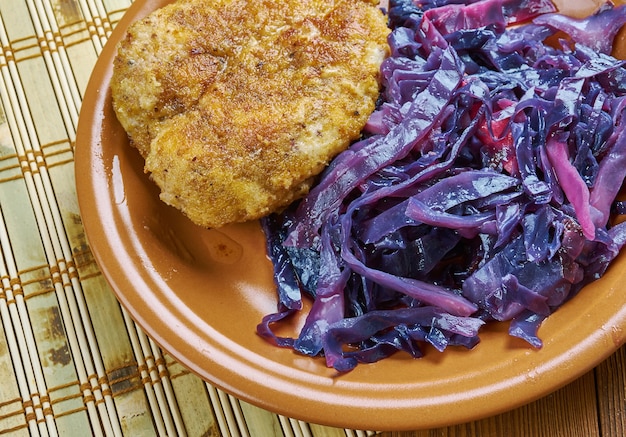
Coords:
pixel 236 105
pixel 485 188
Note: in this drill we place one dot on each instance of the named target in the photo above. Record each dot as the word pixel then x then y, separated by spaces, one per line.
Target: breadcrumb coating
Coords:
pixel 236 105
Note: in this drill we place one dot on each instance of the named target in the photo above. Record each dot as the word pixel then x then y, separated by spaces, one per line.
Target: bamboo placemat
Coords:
pixel 72 362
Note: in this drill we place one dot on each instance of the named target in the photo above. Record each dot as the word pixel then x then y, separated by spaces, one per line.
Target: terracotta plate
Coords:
pixel 200 294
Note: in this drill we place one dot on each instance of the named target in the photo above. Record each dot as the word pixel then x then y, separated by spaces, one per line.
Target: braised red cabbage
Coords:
pixel 484 187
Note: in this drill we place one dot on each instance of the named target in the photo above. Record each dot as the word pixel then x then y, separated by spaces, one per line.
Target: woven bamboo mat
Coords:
pixel 72 362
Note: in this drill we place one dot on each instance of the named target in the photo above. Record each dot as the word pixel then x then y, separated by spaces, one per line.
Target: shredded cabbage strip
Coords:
pixel 483 188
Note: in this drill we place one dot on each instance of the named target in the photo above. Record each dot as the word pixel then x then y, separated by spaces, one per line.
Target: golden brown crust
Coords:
pixel 236 104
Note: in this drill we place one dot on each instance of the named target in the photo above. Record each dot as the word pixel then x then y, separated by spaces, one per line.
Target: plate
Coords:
pixel 200 293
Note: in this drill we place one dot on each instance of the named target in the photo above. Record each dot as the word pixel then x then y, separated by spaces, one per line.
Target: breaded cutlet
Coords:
pixel 236 105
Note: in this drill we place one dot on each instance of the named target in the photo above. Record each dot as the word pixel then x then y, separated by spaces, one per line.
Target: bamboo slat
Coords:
pixel 72 361
pixel 611 392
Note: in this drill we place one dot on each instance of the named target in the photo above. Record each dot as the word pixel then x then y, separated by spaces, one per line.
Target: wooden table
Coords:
pixel 72 362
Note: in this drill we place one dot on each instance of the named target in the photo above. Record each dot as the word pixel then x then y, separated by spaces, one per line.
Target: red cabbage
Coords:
pixel 596 32
pixel 482 189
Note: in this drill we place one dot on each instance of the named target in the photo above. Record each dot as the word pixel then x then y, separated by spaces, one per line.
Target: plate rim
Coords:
pixel 370 414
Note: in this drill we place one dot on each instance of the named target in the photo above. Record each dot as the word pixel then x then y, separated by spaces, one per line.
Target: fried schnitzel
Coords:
pixel 236 105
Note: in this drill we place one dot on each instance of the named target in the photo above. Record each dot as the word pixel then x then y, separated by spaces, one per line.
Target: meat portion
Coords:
pixel 237 104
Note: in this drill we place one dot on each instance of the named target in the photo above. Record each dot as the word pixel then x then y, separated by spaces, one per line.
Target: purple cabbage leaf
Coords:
pixel 484 187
